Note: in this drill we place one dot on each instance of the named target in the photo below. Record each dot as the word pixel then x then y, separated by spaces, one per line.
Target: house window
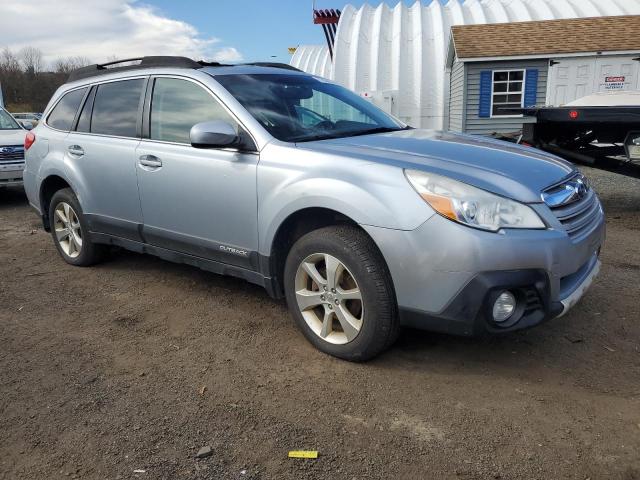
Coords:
pixel 507 93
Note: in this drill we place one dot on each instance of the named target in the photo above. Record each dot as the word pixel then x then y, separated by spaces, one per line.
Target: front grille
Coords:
pixel 11 155
pixel 578 216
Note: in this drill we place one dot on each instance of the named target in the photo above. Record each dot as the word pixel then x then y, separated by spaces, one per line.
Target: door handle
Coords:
pixel 150 161
pixel 76 150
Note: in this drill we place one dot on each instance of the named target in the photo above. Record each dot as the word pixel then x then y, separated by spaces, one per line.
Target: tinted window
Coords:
pixel 177 105
pixel 115 108
pixel 84 121
pixel 65 111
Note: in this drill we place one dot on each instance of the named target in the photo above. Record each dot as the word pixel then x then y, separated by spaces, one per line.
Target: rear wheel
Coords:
pixel 70 231
pixel 340 293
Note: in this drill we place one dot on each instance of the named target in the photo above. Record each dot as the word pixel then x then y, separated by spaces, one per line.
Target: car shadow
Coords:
pixel 125 261
pixel 11 197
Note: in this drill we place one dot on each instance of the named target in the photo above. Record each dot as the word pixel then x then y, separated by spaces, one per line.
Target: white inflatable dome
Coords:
pixel 397 55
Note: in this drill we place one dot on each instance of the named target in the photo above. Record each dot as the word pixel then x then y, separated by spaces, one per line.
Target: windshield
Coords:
pixel 298 108
pixel 7 122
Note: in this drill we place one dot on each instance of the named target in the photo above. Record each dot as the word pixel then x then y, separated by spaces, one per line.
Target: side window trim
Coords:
pixel 141 106
pixel 146 109
pixel 146 131
pixel 87 101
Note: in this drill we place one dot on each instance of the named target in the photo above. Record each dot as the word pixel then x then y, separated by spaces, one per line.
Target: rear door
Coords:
pixel 101 153
pixel 202 202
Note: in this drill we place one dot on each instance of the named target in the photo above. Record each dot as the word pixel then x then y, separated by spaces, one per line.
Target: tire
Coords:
pixel 86 252
pixel 372 324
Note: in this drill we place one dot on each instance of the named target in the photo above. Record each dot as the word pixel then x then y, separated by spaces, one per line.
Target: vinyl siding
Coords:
pixel 456 98
pixel 486 126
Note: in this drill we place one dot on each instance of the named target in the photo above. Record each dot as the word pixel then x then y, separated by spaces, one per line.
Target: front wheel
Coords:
pixel 340 293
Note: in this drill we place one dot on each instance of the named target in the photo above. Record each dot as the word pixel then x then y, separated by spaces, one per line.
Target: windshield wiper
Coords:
pixel 350 133
pixel 372 131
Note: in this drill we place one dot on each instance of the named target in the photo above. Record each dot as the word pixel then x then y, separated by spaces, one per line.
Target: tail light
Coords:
pixel 29 140
pixel 573 114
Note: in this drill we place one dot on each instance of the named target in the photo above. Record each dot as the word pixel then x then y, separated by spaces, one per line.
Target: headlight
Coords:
pixel 470 205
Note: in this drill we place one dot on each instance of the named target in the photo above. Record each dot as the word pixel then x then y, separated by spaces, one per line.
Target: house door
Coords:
pixel 570 78
pixel 617 73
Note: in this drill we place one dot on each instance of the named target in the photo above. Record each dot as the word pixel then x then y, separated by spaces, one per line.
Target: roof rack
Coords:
pixel 157 61
pixel 143 62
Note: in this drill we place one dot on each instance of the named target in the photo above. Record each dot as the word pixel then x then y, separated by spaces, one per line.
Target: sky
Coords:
pixel 222 30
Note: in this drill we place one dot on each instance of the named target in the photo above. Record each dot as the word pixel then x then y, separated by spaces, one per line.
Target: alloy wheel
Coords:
pixel 329 298
pixel 68 230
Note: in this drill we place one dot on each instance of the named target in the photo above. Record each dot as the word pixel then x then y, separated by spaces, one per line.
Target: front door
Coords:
pixel 202 202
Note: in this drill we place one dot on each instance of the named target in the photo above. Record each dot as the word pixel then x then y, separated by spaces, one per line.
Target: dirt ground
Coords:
pixel 137 363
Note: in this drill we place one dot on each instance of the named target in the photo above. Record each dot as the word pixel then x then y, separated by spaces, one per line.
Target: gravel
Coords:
pixel 558 401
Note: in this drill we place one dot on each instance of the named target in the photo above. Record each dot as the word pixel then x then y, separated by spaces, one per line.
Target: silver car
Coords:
pixel 12 137
pixel 299 185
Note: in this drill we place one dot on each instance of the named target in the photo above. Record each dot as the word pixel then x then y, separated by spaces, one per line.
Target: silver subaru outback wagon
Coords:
pixel 294 183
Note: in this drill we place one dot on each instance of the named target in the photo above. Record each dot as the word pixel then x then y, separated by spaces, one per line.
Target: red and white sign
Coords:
pixel 618 82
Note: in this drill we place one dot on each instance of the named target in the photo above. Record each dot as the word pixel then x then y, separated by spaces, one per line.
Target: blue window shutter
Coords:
pixel 484 107
pixel 531 87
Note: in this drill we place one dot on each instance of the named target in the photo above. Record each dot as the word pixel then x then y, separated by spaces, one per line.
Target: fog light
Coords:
pixel 504 307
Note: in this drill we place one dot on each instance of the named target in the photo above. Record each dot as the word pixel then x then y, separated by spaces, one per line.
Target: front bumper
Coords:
pixel 573 298
pixel 446 276
pixel 10 175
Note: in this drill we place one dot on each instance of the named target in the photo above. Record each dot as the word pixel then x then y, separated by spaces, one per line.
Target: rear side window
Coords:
pixel 61 117
pixel 115 108
pixel 177 105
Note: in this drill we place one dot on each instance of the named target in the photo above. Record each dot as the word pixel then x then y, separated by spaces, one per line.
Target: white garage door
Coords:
pixel 572 78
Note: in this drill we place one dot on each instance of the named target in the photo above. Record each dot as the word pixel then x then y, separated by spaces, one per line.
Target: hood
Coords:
pixel 12 137
pixel 500 167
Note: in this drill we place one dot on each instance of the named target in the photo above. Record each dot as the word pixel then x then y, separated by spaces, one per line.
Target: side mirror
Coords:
pixel 216 134
pixel 27 125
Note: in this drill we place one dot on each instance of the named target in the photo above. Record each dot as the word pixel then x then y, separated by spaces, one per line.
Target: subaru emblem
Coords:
pixel 581 189
pixel 572 191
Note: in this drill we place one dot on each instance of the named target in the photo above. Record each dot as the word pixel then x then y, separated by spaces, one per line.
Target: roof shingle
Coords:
pixel 576 35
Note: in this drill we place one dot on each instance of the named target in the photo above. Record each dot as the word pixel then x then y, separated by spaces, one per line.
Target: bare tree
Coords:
pixel 32 60
pixel 8 61
pixel 68 64
pixel 10 76
pixel 26 84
